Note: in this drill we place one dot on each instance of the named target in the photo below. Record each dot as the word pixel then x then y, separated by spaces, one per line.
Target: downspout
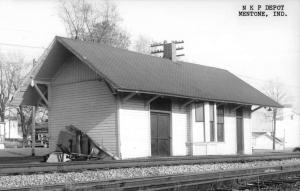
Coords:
pixel 119 154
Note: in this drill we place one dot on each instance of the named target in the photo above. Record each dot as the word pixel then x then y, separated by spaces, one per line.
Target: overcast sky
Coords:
pixel 257 49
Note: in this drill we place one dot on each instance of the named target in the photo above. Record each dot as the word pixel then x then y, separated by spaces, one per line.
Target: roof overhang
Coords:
pixel 57 53
pixel 197 98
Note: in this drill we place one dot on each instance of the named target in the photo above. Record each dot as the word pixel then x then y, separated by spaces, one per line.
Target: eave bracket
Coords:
pixel 151 100
pixel 35 85
pixel 126 98
pixel 187 103
pixel 237 107
pixel 256 109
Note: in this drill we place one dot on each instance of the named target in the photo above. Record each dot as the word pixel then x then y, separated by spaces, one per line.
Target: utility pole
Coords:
pixel 2 99
pixel 274 127
pixel 9 125
pixel 164 44
pixel 33 132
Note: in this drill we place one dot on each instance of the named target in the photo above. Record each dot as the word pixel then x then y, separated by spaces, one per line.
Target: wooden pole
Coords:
pixel 78 142
pixel 9 125
pixel 33 132
pixel 274 127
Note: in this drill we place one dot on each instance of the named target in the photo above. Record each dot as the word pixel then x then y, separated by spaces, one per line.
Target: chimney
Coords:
pixel 170 51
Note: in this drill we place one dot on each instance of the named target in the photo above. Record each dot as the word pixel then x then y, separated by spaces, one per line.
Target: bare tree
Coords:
pixel 94 23
pixel 13 70
pixel 276 91
pixel 142 45
pixel 11 66
pixel 25 119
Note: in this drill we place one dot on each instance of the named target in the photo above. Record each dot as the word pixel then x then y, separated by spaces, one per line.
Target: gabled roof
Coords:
pixel 129 71
pixel 268 135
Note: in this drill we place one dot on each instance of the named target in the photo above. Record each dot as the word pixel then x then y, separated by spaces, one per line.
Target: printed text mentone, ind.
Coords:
pixel 262 10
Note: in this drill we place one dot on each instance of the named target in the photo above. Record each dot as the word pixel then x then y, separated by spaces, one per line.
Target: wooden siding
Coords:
pixel 73 70
pixel 134 125
pixel 229 146
pixel 78 98
pixel 135 132
pixel 198 130
pixel 187 135
pixel 179 130
pixel 247 131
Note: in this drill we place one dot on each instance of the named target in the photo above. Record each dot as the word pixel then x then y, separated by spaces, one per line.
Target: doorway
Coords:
pixel 160 134
pixel 240 131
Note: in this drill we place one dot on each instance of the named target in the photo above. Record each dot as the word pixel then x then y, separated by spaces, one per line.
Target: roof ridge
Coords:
pixel 109 46
pixel 139 53
pixel 130 70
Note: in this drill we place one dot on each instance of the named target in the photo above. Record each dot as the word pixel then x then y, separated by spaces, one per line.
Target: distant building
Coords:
pixel 12 129
pixel 287 127
pixel 10 133
pixel 264 141
pixel 260 122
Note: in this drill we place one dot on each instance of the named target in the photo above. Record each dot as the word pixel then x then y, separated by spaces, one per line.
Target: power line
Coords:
pixel 21 45
pixel 27 31
pixel 266 81
pixel 14 29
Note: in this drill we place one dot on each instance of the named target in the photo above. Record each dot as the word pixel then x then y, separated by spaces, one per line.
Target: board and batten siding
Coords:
pixel 247 131
pixel 135 131
pixel 78 97
pixel 197 129
pixel 179 127
pixel 229 146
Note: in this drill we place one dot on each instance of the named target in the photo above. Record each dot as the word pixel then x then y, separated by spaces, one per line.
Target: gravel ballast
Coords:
pixel 16 181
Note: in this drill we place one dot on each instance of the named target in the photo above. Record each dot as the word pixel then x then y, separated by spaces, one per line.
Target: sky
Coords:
pixel 257 49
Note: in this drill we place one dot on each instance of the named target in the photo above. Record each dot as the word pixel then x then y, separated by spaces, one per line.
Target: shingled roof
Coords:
pixel 129 71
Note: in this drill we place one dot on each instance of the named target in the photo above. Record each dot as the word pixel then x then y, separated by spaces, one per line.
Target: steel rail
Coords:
pixel 172 181
pixel 27 168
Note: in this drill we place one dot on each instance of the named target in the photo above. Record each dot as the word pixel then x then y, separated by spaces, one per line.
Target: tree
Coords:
pixel 11 66
pixel 25 119
pixel 91 23
pixel 142 45
pixel 276 91
pixel 13 70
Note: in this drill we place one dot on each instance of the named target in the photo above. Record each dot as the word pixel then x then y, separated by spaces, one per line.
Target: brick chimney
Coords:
pixel 170 51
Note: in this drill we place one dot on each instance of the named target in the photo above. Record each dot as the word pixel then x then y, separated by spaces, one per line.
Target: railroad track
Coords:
pixel 28 168
pixel 198 181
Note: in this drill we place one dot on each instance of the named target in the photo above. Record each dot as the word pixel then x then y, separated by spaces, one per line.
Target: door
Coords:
pixel 160 134
pixel 240 131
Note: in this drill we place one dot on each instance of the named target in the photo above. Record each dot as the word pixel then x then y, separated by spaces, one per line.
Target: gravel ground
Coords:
pixel 103 175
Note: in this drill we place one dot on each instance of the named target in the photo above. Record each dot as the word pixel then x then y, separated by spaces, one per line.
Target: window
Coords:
pixel 212 121
pixel 199 112
pixel 220 123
